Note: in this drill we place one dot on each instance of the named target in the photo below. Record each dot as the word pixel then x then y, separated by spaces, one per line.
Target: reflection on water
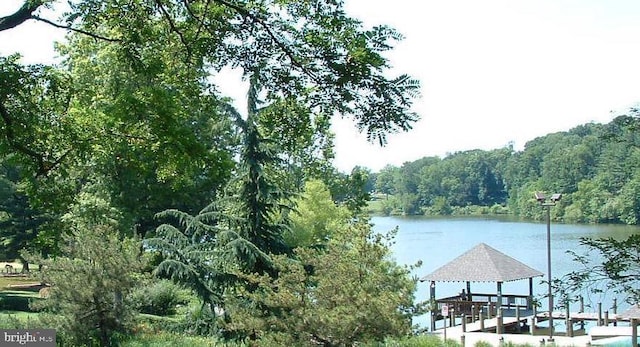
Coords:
pixel 436 241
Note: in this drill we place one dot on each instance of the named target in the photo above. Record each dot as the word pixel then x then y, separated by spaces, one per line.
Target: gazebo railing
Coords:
pixel 476 301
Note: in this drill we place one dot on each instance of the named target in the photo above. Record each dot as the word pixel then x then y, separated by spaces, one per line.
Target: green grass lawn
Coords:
pixel 6 281
pixel 20 315
pixel 375 207
pixel 172 340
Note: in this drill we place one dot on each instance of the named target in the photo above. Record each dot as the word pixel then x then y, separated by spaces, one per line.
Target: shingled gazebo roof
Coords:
pixel 482 264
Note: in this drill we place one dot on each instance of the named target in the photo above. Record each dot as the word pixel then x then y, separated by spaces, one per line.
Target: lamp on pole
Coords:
pixel 547 203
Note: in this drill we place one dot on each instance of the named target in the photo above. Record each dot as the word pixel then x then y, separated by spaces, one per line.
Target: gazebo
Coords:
pixel 482 263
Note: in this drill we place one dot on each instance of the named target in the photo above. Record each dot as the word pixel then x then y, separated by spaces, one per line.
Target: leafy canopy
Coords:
pixel 346 293
pixel 607 266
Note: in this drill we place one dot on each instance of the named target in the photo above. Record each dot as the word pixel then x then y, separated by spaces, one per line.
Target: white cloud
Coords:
pixel 496 72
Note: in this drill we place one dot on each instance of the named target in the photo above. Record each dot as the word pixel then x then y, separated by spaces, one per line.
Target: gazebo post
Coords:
pixel 469 296
pixel 530 300
pixel 433 309
pixel 499 298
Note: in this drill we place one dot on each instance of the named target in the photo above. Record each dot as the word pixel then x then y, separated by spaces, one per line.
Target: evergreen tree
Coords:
pixel 92 280
pixel 20 222
pixel 261 201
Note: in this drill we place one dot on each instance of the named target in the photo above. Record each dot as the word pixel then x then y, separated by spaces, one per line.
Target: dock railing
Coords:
pixel 480 302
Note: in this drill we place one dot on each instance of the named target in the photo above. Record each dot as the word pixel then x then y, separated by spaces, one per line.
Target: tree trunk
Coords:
pixel 25 265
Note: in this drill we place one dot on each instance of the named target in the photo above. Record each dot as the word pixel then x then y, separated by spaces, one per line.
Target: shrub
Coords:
pixel 17 321
pixel 412 341
pixel 159 298
pixel 88 301
pixel 201 321
pixel 150 324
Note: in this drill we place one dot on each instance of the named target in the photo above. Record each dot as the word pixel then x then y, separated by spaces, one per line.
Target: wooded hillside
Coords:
pixel 595 166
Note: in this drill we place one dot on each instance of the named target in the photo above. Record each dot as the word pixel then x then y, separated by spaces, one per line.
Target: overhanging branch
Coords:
pixel 174 27
pixel 11 140
pixel 44 165
pixel 21 15
pixel 284 46
pixel 66 27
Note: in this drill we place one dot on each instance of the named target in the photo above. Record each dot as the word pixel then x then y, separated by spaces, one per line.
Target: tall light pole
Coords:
pixel 547 203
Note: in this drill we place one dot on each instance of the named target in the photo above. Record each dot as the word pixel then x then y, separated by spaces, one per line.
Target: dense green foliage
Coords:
pixel 142 132
pixel 89 298
pixel 347 292
pixel 315 217
pixel 132 112
pixel 202 255
pixel 159 297
pixel 594 166
pixel 262 202
pixel 20 223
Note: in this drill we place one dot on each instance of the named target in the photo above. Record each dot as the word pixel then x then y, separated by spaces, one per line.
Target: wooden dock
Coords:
pixel 527 325
pixel 490 325
pixel 523 323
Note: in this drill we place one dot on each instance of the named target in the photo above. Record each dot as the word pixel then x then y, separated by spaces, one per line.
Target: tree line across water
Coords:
pixel 594 167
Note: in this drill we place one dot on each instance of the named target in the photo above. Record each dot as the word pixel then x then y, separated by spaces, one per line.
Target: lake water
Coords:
pixel 437 241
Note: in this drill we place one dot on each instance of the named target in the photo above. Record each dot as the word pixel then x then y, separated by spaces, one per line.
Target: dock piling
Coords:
pixel 599 314
pixel 464 323
pixel 532 325
pixel 615 311
pixel 568 321
pixel 581 304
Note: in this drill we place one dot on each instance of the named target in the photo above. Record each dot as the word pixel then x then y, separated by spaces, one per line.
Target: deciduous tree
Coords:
pixel 348 293
pixel 606 266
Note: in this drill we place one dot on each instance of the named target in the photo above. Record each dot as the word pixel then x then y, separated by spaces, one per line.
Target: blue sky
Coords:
pixel 493 72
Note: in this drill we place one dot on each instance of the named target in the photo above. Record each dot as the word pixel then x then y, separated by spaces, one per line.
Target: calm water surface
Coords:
pixel 436 241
